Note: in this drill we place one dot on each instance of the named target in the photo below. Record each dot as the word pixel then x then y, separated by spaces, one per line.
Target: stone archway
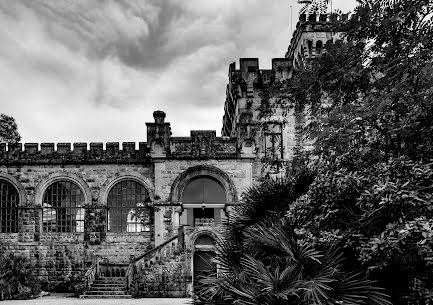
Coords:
pixel 216 185
pixel 203 264
pixel 203 171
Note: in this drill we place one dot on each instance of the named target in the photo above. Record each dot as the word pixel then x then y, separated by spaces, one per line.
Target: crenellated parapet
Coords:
pixel 202 144
pixel 67 153
pixel 245 86
pixel 250 74
pixel 310 37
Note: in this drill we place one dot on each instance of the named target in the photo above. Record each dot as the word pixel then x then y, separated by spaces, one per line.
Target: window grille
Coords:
pixel 62 208
pixel 9 200
pixel 127 211
pixel 273 142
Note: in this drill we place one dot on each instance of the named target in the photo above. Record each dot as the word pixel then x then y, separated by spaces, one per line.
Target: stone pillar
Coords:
pixel 159 168
pixel 26 224
pixel 158 135
pixel 95 220
pixel 176 218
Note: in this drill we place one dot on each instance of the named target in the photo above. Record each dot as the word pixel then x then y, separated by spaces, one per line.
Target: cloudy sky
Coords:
pixel 95 70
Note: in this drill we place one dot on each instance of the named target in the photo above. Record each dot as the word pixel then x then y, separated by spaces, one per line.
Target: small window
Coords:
pixel 62 208
pixel 310 48
pixel 273 141
pixel 80 220
pixel 9 200
pixel 319 47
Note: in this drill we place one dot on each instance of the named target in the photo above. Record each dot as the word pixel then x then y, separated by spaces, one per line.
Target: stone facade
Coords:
pixel 164 166
pixel 65 206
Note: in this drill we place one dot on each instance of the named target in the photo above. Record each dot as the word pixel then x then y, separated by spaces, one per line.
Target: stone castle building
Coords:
pixel 148 215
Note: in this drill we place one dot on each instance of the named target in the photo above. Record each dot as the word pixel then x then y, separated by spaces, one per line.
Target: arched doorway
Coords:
pixel 204 265
pixel 204 198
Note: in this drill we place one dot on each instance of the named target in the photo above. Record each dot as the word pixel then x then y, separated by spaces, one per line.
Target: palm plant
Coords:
pixel 270 199
pixel 262 261
pixel 273 267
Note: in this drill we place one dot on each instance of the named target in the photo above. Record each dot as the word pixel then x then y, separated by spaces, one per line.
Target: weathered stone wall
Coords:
pixel 60 255
pixel 158 164
pixel 164 278
pixel 243 173
pixel 56 263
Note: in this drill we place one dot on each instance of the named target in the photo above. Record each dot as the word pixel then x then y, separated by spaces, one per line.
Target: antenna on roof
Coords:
pixel 291 19
pixel 319 7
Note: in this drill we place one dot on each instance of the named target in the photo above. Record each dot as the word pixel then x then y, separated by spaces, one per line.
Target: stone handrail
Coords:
pixel 130 275
pixel 163 250
pixel 91 273
pixel 159 249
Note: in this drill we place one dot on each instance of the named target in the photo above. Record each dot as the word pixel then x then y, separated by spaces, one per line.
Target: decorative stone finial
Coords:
pixel 159 116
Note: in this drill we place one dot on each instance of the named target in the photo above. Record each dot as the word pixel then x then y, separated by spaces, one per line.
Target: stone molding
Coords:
pixel 220 176
pixel 110 182
pixel 19 187
pixel 46 182
pixel 197 233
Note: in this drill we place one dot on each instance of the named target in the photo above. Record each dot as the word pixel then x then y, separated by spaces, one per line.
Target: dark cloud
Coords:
pixel 95 70
pixel 133 31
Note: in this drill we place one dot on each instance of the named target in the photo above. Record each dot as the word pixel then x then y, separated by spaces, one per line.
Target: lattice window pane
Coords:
pixel 62 208
pixel 8 204
pixel 123 200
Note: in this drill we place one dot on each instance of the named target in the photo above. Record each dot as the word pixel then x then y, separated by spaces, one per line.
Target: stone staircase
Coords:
pixel 107 288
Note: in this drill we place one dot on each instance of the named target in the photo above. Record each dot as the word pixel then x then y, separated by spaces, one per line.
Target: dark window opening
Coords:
pixel 9 200
pixel 273 142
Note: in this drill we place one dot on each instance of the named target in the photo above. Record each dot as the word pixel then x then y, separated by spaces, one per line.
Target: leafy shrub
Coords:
pixel 17 280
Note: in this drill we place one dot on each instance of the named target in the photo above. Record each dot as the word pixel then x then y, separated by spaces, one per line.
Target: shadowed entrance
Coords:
pixel 203 264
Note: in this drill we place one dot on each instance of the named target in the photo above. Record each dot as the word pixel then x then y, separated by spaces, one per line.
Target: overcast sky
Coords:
pixel 94 71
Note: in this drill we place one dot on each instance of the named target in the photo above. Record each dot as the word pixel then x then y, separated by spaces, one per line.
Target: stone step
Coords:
pixel 108 288
pixel 99 292
pixel 125 296
pixel 110 282
pixel 110 277
pixel 98 281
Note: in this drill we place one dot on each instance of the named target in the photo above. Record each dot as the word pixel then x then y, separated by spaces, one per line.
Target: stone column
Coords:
pixel 176 217
pixel 26 224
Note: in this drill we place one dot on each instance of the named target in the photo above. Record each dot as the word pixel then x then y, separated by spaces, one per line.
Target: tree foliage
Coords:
pixel 372 96
pixel 262 260
pixel 8 130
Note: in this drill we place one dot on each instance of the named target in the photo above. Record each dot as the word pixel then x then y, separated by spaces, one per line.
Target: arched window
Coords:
pixel 205 191
pixel 127 207
pixel 310 48
pixel 204 240
pixel 9 200
pixel 63 211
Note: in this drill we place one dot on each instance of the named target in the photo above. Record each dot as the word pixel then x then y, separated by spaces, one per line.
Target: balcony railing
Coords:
pixel 204 222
